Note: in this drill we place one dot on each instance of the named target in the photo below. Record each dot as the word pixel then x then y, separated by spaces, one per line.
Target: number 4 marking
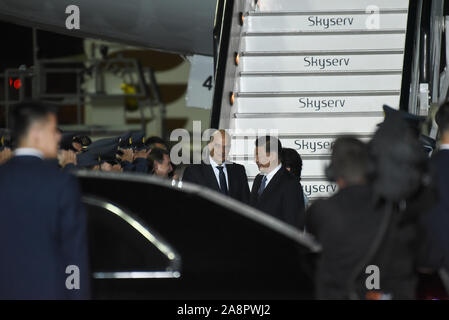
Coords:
pixel 208 83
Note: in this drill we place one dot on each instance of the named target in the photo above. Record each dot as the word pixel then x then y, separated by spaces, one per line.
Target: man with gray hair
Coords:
pixel 219 174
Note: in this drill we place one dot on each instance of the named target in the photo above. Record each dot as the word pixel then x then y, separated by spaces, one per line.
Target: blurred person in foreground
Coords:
pixel 436 223
pixel 345 223
pixel 43 224
pixel 375 224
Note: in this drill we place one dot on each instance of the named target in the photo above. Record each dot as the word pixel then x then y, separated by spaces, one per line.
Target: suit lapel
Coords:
pixel 272 184
pixel 255 188
pixel 231 181
pixel 209 175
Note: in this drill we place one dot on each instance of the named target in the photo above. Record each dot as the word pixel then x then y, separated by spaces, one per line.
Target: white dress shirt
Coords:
pixel 28 152
pixel 217 172
pixel 271 174
pixel 444 147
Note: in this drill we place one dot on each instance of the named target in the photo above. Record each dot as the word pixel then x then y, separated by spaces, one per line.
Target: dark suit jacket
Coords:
pixel 436 222
pixel 204 175
pixel 282 198
pixel 345 225
pixel 42 231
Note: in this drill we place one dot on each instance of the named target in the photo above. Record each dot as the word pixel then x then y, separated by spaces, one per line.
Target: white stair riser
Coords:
pixel 304 126
pixel 311 168
pixel 327 5
pixel 314 189
pixel 309 146
pixel 314 104
pixel 293 43
pixel 320 83
pixel 304 63
pixel 323 22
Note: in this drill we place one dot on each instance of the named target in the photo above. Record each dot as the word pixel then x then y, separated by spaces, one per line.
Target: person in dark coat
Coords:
pixel 346 223
pixel 44 252
pixel 217 173
pixel 275 191
pixel 436 222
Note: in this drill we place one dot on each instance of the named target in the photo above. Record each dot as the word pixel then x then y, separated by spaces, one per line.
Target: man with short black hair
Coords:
pixel 42 221
pixel 156 142
pixel 160 164
pixel 275 191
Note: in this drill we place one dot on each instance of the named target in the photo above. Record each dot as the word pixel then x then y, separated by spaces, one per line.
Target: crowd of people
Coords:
pixel 391 209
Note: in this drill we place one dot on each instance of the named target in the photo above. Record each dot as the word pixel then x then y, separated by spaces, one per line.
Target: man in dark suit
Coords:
pixel 42 222
pixel 219 174
pixel 275 191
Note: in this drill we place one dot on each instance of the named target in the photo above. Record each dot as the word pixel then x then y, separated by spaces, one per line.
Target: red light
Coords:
pixel 10 81
pixel 17 84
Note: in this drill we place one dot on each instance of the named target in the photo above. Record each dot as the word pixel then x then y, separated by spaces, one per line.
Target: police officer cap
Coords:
pixel 125 141
pixel 67 140
pixel 87 159
pixel 138 141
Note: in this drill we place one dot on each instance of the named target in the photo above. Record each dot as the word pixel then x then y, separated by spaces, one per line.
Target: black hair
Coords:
pixel 442 117
pixel 292 159
pixel 271 144
pixel 25 114
pixel 350 161
pixel 157 154
pixel 151 141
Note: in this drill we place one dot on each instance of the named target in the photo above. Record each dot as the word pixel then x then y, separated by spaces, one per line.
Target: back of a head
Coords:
pixel 25 114
pixel 350 162
pixel 291 159
pixel 442 118
pixel 155 141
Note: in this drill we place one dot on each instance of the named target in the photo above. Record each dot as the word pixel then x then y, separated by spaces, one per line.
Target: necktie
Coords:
pixel 222 178
pixel 262 185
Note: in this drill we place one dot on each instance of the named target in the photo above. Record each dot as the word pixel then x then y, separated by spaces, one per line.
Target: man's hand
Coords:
pixel 128 155
pixel 5 155
pixel 142 154
pixel 65 157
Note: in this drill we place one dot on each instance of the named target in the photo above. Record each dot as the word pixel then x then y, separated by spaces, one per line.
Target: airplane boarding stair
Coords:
pixel 311 71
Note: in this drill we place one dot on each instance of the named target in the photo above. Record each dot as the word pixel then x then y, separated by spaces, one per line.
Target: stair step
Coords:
pixel 301 23
pixel 314 189
pixel 309 147
pixel 343 52
pixel 330 42
pixel 313 104
pixel 310 126
pixel 306 63
pixel 309 167
pixel 362 32
pixel 336 12
pixel 308 115
pixel 325 82
pixel 328 5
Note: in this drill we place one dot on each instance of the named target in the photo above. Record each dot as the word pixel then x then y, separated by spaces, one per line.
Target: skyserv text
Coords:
pixel 238 309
